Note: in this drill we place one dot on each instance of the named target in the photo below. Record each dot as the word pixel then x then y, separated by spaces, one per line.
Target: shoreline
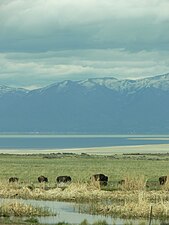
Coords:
pixel 155 148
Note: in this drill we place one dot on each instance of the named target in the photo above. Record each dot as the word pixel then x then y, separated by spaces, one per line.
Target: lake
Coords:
pixel 55 141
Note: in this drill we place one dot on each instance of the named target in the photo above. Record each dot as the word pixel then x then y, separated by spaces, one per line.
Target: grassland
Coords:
pixel 120 200
pixel 80 167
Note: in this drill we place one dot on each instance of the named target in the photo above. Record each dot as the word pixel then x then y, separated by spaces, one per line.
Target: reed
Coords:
pixel 133 183
pixel 20 209
pixel 123 203
pixel 135 210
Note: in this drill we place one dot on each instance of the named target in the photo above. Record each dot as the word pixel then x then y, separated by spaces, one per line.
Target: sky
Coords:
pixel 45 41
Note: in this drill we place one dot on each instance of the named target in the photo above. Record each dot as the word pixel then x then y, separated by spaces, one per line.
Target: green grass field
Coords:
pixel 80 167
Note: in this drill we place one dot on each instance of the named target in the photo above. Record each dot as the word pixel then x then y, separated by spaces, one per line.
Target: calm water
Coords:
pixel 69 213
pixel 51 141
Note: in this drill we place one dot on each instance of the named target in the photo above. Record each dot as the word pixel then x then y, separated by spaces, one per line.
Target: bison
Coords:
pixel 42 179
pixel 162 180
pixel 103 179
pixel 63 179
pixel 13 179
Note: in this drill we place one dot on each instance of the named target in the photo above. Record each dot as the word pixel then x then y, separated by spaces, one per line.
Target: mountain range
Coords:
pixel 101 105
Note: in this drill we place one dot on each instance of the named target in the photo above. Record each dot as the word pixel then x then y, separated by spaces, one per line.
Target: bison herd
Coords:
pixel 101 178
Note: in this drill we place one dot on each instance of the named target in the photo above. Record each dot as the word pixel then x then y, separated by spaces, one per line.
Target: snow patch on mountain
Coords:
pixel 10 90
pixel 122 86
pixel 92 82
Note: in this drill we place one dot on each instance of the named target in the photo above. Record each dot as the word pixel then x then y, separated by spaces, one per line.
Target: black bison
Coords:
pixel 103 179
pixel 63 179
pixel 162 180
pixel 13 179
pixel 42 179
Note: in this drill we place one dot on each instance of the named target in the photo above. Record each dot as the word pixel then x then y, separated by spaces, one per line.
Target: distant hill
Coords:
pixel 106 105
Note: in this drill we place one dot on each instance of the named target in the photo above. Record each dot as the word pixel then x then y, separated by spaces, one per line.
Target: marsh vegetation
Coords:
pixel 132 199
pixel 19 209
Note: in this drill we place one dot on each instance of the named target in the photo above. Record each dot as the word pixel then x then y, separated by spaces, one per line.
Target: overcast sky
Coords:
pixel 44 41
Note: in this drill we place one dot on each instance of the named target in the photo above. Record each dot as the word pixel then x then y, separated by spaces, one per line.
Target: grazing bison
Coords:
pixel 42 179
pixel 101 178
pixel 13 179
pixel 63 179
pixel 162 180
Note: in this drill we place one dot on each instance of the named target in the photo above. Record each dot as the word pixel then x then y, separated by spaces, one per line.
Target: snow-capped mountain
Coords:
pixel 101 105
pixel 9 90
pixel 158 82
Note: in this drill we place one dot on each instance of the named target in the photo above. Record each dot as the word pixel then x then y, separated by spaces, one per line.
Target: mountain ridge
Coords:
pixel 95 105
pixel 105 81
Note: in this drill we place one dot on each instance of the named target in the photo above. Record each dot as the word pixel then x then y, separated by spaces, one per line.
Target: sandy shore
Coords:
pixel 158 148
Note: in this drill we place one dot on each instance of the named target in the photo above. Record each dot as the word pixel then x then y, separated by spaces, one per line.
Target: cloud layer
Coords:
pixel 42 41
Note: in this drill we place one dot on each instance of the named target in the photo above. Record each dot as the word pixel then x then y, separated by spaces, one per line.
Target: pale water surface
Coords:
pixel 55 141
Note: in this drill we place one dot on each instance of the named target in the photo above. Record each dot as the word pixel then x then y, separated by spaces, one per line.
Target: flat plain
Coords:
pixel 27 167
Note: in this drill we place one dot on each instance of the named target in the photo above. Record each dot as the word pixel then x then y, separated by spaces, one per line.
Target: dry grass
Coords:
pixel 133 183
pixel 20 209
pixel 135 210
pixel 133 200
pixel 124 203
pixel 132 205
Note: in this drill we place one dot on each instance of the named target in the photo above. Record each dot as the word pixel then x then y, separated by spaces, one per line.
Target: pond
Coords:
pixel 69 213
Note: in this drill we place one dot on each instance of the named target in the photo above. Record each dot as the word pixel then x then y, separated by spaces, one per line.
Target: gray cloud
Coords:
pixel 44 41
pixel 40 69
pixel 41 25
